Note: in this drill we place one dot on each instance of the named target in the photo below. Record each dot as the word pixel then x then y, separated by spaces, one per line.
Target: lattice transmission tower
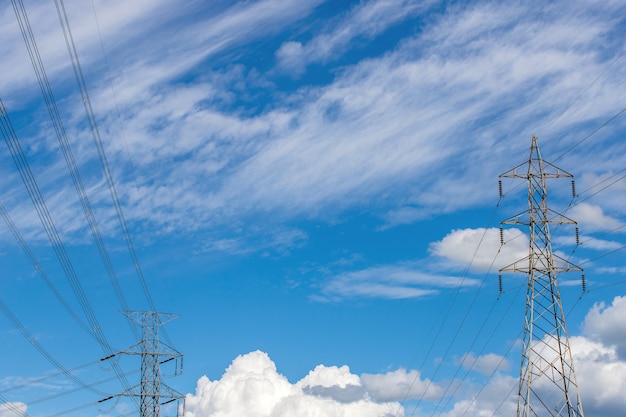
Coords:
pixel 547 384
pixel 151 391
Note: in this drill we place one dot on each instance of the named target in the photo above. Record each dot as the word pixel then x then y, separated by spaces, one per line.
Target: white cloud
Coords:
pixel 252 387
pixel 591 217
pixel 600 371
pixel 480 248
pixel 611 270
pixel 329 376
pixel 291 56
pixel 249 387
pixel 485 364
pixel 278 241
pixel 607 325
pixel 601 376
pixel 605 185
pixel 400 385
pixel 367 19
pixel 588 242
pixel 389 281
pixel 386 126
pixel 138 33
pixel 403 215
pixel 12 409
pixel 495 399
pixel 600 244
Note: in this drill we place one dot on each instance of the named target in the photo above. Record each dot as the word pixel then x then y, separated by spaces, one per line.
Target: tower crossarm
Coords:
pixel 521 171
pixel 159 349
pixel 526 266
pixel 524 218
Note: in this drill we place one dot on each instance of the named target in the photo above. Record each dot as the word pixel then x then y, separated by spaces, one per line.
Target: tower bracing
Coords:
pixel 151 391
pixel 547 384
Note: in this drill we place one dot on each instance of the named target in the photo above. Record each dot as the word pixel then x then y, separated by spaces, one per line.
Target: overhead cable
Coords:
pixel 55 117
pixel 80 79
pixel 19 158
pixel 41 272
pixel 33 340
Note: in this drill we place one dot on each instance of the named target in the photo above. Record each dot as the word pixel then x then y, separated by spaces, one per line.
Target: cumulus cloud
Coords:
pixel 607 325
pixel 599 366
pixel 400 385
pixel 493 399
pixel 485 364
pixel 252 387
pixel 601 376
pixel 480 248
pixel 592 217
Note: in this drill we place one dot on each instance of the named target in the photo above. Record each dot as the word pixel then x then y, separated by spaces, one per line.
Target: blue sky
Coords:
pixel 313 187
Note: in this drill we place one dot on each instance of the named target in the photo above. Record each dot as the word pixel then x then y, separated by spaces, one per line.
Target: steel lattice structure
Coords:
pixel 547 384
pixel 152 392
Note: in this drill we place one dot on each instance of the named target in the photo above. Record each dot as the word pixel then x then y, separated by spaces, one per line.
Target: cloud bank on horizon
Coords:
pixel 252 386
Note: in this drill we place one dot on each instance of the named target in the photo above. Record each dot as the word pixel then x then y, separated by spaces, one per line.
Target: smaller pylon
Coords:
pixel 152 392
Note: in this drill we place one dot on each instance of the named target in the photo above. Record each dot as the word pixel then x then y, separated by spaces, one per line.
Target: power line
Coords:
pixel 10 406
pixel 41 272
pixel 117 107
pixel 615 116
pixel 30 183
pixel 497 367
pixel 80 79
pixel 582 93
pixel 19 158
pixel 465 274
pixel 602 189
pixel 475 339
pixel 33 340
pixel 51 376
pixel 493 373
pixel 72 391
pixel 475 361
pixel 53 111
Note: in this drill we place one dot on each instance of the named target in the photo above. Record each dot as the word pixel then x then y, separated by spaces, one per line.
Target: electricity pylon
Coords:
pixel 152 392
pixel 547 384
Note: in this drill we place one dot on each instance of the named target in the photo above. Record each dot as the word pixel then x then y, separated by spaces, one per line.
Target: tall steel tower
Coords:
pixel 152 392
pixel 547 385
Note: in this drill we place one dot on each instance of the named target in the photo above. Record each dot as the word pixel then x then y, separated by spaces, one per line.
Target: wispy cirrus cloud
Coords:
pixel 365 20
pixel 389 125
pixel 399 281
